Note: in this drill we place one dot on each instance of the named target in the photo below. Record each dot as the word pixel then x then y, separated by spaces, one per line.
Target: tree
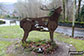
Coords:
pixel 29 8
pixel 78 13
pixel 64 9
pixel 82 14
pixel 73 23
pixel 2 7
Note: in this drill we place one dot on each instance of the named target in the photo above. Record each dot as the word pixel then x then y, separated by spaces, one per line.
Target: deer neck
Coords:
pixel 55 17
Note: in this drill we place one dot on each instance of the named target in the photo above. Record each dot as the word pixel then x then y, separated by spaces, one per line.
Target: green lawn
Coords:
pixel 3 46
pixel 10 32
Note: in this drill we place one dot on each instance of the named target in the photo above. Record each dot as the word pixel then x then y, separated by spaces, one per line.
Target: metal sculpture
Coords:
pixel 50 22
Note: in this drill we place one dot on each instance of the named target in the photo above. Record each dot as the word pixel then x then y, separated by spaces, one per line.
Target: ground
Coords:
pixel 18 50
pixel 11 34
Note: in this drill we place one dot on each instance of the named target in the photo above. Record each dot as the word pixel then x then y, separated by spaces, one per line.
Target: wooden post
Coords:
pixel 73 22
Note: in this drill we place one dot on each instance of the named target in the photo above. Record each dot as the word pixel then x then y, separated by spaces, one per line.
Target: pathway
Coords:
pixel 79 32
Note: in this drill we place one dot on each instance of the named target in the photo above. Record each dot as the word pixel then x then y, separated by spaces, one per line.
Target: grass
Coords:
pixel 78 44
pixel 10 32
pixel 3 46
pixel 17 32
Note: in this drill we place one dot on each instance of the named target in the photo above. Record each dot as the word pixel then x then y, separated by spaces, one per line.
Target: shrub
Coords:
pixel 2 22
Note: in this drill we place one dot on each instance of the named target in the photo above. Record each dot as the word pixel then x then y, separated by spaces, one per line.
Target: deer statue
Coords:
pixel 50 22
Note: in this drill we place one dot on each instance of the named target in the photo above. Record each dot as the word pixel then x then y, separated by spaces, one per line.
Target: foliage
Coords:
pixel 10 17
pixel 7 16
pixel 77 22
pixel 43 45
pixel 51 12
pixel 82 13
pixel 2 22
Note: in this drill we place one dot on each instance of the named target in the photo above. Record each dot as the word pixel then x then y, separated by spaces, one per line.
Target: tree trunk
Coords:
pixel 79 4
pixel 75 2
pixel 64 9
pixel 73 24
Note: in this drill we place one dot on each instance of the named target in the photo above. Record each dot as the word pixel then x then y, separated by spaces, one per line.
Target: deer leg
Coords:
pixel 51 36
pixel 26 33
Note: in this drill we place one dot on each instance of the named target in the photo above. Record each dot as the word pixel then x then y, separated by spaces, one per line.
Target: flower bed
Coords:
pixel 41 46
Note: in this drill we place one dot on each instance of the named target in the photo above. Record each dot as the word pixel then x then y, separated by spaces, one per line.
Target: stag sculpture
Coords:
pixel 51 22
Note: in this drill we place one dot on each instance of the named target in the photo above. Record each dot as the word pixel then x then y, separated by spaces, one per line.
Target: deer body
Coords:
pixel 29 24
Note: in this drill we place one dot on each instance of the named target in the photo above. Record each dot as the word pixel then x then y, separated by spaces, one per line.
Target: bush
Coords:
pixel 7 16
pixel 76 22
pixel 2 22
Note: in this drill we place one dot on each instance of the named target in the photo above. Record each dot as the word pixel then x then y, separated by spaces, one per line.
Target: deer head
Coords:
pixel 58 10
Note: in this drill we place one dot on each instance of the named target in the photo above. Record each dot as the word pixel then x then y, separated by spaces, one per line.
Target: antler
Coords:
pixel 45 8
